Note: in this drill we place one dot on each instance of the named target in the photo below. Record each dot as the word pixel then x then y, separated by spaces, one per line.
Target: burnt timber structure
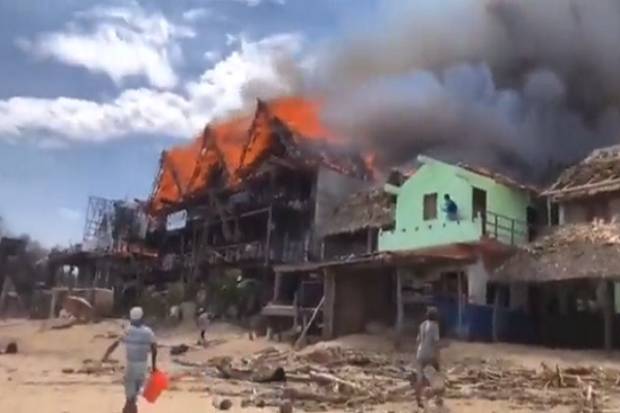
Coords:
pixel 113 256
pixel 251 193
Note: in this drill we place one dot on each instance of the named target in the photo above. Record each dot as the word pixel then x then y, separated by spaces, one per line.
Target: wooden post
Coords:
pixel 369 237
pixel 496 314
pixel 459 303
pixel 400 310
pixel 329 292
pixel 53 303
pixel 268 238
pixel 302 337
pixel 6 285
pixel 276 287
pixel 608 314
pixel 92 293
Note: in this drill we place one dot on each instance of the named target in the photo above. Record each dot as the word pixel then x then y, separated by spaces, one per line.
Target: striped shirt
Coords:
pixel 138 340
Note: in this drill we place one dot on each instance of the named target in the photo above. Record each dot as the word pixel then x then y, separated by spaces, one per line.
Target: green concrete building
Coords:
pixel 490 207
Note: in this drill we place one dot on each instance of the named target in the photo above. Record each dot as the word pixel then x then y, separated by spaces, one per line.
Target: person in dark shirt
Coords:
pixel 450 208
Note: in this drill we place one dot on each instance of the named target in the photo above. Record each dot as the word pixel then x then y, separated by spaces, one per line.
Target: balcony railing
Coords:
pixel 504 229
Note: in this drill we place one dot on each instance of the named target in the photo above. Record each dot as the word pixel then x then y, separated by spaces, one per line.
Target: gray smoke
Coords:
pixel 515 85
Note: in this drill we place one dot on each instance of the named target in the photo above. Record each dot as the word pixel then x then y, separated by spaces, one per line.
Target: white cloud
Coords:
pixel 254 3
pixel 133 111
pixel 212 56
pixel 231 39
pixel 122 42
pixel 265 68
pixel 192 15
pixel 221 88
pixel 69 214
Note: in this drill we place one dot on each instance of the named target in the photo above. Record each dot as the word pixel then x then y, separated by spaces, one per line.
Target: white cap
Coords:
pixel 136 314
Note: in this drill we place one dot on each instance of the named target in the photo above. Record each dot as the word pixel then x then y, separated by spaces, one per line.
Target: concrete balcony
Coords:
pixel 441 231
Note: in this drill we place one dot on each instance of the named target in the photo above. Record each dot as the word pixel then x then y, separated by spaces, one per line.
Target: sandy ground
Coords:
pixel 33 380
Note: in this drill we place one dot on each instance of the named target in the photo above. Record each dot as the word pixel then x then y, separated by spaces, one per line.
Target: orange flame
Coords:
pixel 237 146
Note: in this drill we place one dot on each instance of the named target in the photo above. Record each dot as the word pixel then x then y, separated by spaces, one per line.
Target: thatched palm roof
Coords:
pixel 598 173
pixel 576 251
pixel 362 210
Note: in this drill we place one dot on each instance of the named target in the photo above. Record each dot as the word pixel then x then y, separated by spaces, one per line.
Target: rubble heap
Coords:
pixel 335 377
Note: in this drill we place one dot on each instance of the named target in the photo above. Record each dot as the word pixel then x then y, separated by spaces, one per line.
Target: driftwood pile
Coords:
pixel 333 377
pixel 586 389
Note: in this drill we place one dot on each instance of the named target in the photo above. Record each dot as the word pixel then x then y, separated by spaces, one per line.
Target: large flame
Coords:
pixel 236 146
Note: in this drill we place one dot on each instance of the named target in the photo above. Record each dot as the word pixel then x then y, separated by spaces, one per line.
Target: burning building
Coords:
pixel 251 192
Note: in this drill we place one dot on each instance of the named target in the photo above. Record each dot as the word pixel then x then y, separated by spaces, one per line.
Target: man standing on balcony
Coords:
pixel 450 208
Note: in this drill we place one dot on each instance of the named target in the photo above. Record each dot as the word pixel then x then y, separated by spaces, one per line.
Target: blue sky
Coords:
pixel 92 91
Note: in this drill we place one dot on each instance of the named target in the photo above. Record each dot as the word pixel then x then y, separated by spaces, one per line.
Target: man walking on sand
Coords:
pixel 428 350
pixel 203 323
pixel 139 340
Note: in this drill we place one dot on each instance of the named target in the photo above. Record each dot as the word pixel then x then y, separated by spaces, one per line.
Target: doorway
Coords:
pixel 479 206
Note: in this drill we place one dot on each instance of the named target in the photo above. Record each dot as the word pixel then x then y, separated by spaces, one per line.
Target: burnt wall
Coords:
pixel 343 245
pixel 362 297
pixel 332 188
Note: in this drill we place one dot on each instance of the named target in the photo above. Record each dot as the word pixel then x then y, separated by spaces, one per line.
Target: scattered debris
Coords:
pixel 222 404
pixel 78 307
pixel 335 377
pixel 11 348
pixel 286 407
pixel 180 349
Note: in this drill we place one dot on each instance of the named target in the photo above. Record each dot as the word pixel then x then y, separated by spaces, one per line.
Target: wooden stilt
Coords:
pixel 608 314
pixel 276 287
pixel 6 285
pixel 304 333
pixel 459 325
pixel 329 287
pixel 400 311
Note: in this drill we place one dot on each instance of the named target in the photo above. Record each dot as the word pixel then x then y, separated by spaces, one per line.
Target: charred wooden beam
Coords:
pixel 175 177
pixel 221 210
pixel 205 138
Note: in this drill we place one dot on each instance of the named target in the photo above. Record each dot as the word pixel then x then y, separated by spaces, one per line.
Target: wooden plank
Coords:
pixel 569 190
pixel 302 337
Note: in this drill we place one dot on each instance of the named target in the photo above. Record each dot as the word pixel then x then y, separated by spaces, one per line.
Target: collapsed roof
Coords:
pixel 363 210
pixel 231 150
pixel 573 251
pixel 596 174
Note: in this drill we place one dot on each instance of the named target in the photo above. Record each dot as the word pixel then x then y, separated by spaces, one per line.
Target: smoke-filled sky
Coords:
pixel 92 91
pixel 513 84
